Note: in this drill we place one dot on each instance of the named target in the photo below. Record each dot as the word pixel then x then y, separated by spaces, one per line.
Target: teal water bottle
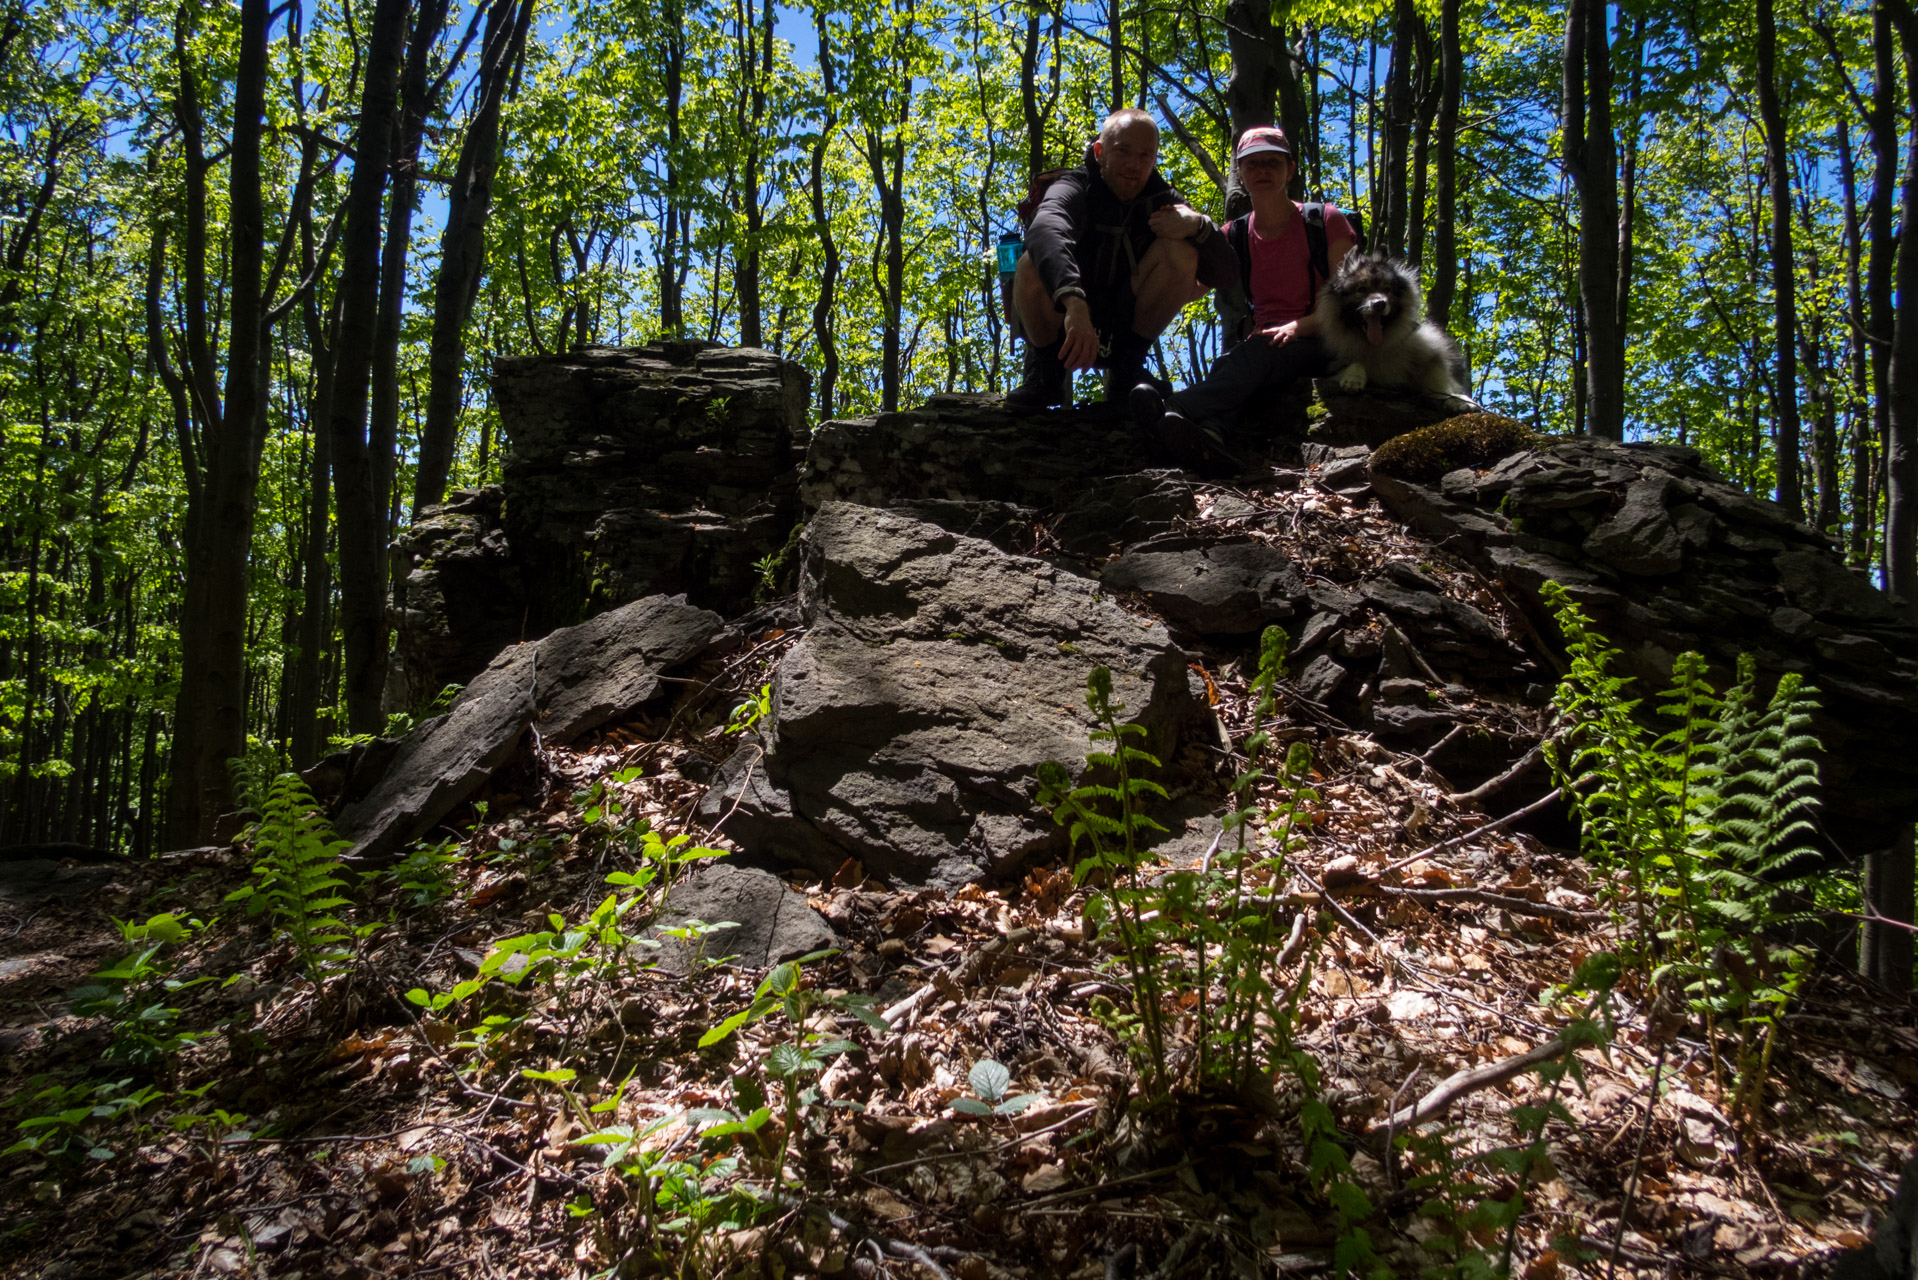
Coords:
pixel 1011 245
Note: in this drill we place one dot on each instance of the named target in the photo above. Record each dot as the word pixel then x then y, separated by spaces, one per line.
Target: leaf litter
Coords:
pixel 371 1137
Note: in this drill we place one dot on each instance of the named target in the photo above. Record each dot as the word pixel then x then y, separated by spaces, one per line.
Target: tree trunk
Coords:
pixel 1592 162
pixel 1438 299
pixel 1393 186
pixel 1427 98
pixel 822 310
pixel 1864 516
pixel 672 240
pixel 1628 205
pixel 469 205
pixel 1901 516
pixel 1885 950
pixel 210 711
pixel 1784 282
pixel 358 499
pixel 1884 246
pixel 747 273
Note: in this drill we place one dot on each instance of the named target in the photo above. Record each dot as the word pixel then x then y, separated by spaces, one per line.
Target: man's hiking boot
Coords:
pixel 1125 367
pixel 1046 382
pixel 1188 445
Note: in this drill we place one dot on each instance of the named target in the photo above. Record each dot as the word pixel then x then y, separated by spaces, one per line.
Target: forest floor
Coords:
pixel 339 1129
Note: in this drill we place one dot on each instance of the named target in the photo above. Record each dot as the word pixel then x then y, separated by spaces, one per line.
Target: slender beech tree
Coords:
pixel 359 500
pixel 226 429
pixel 1444 275
pixel 469 205
pixel 754 49
pixel 1885 950
pixel 1592 163
pixel 822 310
pixel 1771 114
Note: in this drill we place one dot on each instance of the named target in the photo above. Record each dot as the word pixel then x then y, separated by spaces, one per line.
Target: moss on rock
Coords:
pixel 1469 440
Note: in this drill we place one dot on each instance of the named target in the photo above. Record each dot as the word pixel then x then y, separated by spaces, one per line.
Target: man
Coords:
pixel 1112 254
pixel 1283 282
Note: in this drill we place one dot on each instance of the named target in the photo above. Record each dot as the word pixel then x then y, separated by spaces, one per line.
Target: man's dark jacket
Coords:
pixel 1079 236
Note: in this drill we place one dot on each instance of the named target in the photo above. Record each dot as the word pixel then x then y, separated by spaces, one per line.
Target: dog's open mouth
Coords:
pixel 1374 311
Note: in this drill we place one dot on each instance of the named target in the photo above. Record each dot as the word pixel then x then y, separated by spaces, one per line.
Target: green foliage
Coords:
pixel 1229 904
pixel 1124 899
pixel 253 775
pixel 1225 910
pixel 1469 440
pixel 135 992
pixel 67 1120
pixel 747 715
pixel 1707 826
pixel 425 874
pixel 989 1081
pixel 299 876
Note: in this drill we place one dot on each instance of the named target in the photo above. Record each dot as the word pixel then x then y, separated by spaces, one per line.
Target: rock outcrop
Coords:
pixel 1667 556
pixel 573 681
pixel 965 566
pixel 936 674
pixel 665 469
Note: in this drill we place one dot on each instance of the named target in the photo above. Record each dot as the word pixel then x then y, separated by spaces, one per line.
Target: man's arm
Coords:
pixel 1053 236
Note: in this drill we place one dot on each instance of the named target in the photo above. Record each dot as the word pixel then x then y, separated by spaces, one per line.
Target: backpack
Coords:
pixel 1238 234
pixel 1035 192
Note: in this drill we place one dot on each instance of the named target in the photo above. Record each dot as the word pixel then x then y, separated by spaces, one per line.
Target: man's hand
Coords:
pixel 1176 222
pixel 1280 334
pixel 1080 346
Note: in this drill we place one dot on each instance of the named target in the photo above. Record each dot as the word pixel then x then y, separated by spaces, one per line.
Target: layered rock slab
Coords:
pixel 629 472
pixel 1666 555
pixel 936 674
pixel 570 683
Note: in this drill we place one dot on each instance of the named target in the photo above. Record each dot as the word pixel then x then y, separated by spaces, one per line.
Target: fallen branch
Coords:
pixel 921 1254
pixel 1543 802
pixel 1525 762
pixel 1007 1145
pixel 1465 1083
pixel 1517 906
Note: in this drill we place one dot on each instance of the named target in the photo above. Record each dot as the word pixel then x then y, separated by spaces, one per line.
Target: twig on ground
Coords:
pixel 1096 1187
pixel 1518 906
pixel 1638 1156
pixel 1009 1143
pixel 1511 775
pixel 1465 1083
pixel 1543 802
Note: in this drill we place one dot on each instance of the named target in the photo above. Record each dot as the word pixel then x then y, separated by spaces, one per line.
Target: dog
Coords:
pixel 1371 317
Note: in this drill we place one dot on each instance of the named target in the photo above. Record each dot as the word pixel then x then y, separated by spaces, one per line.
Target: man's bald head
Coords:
pixel 1128 151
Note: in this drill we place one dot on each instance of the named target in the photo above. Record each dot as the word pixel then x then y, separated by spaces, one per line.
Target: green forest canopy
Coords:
pixel 218 374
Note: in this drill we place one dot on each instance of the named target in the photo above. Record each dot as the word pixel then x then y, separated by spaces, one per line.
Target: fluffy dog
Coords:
pixel 1371 316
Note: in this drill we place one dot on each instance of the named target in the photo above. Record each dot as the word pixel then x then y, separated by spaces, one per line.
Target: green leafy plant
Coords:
pixel 1704 826
pixel 990 1080
pixel 747 715
pixel 253 774
pixel 136 992
pixel 807 1053
pixel 68 1119
pixel 426 874
pixel 299 876
pixel 1249 1029
pixel 1124 900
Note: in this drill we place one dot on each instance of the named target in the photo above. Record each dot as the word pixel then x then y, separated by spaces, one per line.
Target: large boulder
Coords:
pixel 630 471
pixel 1666 555
pixel 936 674
pixel 566 685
